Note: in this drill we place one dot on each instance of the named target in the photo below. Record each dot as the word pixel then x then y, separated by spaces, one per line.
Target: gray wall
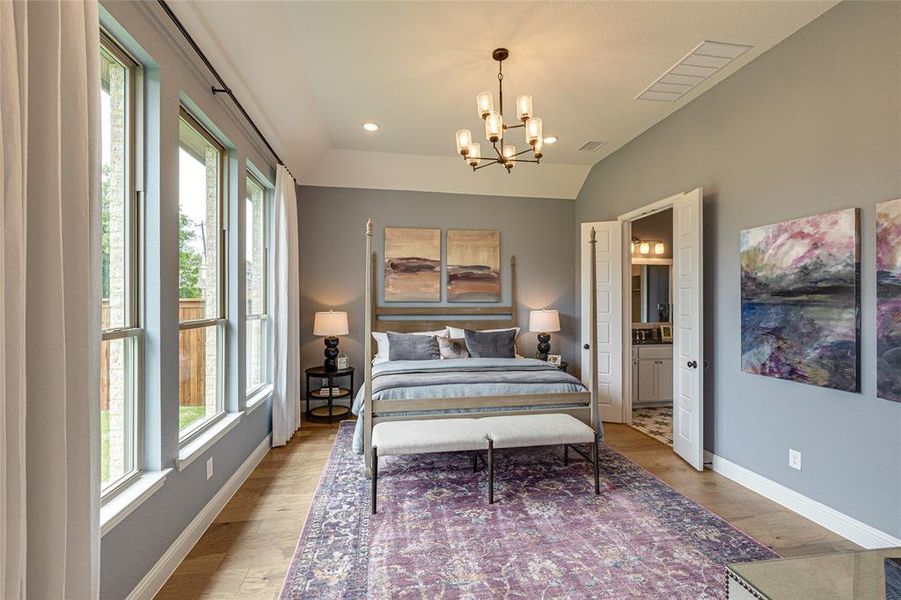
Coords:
pixel 811 126
pixel 332 222
pixel 130 549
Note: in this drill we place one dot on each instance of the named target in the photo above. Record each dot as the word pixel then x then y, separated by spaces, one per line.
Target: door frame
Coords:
pixel 626 219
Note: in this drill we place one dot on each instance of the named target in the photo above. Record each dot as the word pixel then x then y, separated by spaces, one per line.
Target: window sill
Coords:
pixel 258 398
pixel 123 503
pixel 203 442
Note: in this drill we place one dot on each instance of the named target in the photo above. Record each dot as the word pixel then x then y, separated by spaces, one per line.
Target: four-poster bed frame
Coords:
pixel 582 405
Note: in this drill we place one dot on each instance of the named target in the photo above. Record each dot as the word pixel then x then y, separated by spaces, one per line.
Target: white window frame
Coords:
pixel 132 330
pixel 264 304
pixel 219 322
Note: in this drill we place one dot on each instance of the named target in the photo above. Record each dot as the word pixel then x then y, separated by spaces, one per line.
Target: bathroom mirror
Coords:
pixel 651 292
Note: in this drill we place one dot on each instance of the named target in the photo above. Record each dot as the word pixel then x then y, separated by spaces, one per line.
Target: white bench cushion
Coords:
pixel 517 431
pixel 394 438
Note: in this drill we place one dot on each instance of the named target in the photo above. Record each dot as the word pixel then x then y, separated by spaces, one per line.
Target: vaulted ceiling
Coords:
pixel 311 72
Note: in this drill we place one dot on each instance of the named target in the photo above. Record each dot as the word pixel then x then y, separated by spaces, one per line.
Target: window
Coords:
pixel 121 334
pixel 201 278
pixel 257 284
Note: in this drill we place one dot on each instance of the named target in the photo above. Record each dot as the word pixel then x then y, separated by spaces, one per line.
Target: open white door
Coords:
pixel 609 316
pixel 688 334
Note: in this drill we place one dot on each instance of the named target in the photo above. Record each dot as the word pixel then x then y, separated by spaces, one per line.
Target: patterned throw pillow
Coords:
pixel 491 344
pixel 451 348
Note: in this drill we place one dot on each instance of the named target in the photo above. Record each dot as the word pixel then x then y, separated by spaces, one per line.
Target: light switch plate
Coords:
pixel 209 467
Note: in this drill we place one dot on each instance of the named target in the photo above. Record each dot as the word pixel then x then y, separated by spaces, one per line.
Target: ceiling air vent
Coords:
pixel 697 66
pixel 591 146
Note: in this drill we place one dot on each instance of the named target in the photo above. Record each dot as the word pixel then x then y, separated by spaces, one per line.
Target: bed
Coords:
pixel 466 387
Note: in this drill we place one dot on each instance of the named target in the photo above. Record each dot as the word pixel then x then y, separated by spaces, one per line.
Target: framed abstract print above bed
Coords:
pixel 412 264
pixel 473 265
pixel 800 300
pixel 888 300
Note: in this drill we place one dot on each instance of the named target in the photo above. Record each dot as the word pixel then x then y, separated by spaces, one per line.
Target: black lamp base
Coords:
pixel 544 345
pixel 331 353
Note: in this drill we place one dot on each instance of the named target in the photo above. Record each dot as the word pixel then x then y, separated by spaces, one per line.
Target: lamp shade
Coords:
pixel 544 321
pixel 330 323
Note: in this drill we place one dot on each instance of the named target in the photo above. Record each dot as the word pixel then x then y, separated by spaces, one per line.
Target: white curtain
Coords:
pixel 286 312
pixel 49 308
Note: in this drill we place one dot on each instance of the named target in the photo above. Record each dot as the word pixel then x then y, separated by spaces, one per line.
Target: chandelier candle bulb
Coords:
pixel 524 107
pixel 494 126
pixel 464 139
pixel 484 104
pixel 509 153
pixel 536 147
pixel 533 130
pixel 475 153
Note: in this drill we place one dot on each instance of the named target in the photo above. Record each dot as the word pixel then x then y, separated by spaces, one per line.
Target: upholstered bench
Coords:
pixel 397 438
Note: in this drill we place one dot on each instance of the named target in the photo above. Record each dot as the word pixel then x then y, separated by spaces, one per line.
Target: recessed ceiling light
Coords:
pixel 369 126
pixel 551 139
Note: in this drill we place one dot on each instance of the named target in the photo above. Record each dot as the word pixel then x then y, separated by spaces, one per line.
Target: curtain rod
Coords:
pixel 224 89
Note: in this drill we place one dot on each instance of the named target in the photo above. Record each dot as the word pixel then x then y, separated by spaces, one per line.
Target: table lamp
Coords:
pixel 330 324
pixel 544 322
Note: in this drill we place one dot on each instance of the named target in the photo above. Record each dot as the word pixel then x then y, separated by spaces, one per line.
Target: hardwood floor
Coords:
pixel 246 551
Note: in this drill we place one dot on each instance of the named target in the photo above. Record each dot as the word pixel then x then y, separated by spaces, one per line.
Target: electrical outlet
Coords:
pixel 794 459
pixel 209 467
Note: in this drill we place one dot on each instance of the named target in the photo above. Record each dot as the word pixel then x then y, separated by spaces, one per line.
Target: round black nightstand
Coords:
pixel 331 410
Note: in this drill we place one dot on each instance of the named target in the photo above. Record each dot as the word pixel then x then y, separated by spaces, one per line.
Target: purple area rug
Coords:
pixel 547 535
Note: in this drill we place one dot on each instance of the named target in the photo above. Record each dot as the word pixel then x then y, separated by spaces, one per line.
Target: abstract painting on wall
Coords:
pixel 800 300
pixel 473 265
pixel 888 300
pixel 412 264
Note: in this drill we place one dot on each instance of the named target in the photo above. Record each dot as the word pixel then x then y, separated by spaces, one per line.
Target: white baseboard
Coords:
pixel 156 578
pixel 848 527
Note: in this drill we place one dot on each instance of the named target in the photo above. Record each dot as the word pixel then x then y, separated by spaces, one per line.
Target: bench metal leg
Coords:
pixel 565 455
pixel 490 472
pixel 597 467
pixel 580 452
pixel 375 476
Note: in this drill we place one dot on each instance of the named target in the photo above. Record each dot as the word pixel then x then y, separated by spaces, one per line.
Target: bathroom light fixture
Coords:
pixel 645 246
pixel 504 154
pixel 370 126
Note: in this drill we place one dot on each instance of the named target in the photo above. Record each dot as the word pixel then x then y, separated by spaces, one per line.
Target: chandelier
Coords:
pixel 503 154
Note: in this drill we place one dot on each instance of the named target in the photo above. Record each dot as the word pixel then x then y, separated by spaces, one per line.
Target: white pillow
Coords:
pixel 381 340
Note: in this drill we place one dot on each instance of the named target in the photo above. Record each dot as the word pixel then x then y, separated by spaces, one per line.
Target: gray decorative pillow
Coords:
pixel 452 348
pixel 407 346
pixel 491 344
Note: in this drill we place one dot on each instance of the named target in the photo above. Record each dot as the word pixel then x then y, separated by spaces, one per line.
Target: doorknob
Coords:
pixel 693 364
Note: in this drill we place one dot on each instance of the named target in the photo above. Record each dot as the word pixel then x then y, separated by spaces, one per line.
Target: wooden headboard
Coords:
pixel 427 318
